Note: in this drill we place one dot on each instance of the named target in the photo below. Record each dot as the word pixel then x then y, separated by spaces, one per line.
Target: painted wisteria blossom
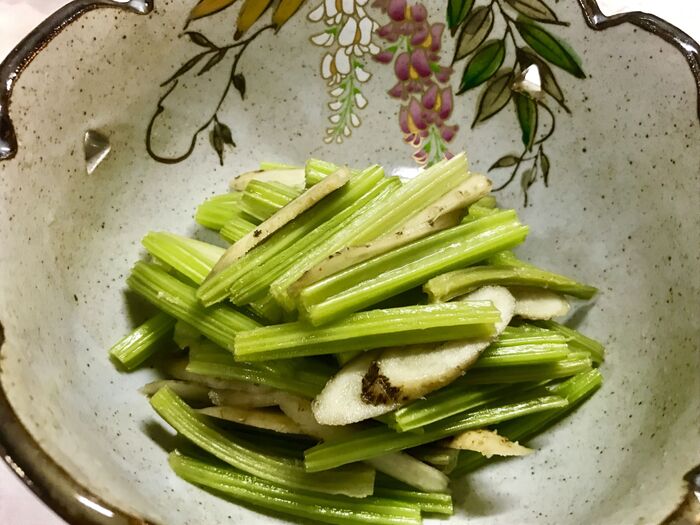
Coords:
pixel 423 85
pixel 348 38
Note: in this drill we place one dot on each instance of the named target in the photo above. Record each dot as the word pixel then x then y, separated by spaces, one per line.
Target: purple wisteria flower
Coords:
pixel 413 45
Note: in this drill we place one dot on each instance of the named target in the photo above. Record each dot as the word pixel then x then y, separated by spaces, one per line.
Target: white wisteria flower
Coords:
pixel 356 37
pixel 324 39
pixel 335 66
pixel 333 10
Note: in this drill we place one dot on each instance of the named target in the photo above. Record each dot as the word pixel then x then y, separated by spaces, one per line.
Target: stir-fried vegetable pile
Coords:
pixel 361 341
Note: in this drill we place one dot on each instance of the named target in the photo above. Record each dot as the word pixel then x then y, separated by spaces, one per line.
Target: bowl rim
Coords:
pixel 61 492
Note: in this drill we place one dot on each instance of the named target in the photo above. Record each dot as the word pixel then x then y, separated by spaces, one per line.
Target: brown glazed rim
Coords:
pixel 74 502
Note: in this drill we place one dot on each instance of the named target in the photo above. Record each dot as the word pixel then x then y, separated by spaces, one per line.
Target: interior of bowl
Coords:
pixel 620 212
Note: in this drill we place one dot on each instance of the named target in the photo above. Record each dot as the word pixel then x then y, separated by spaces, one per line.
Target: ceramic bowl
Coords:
pixel 610 188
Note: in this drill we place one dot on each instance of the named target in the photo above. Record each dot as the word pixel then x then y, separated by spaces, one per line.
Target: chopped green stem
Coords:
pixel 216 211
pixel 446 402
pixel 387 275
pixel 219 323
pixel 134 348
pixel 489 201
pixel 321 507
pixel 302 377
pixel 415 195
pixel 315 246
pixel 366 444
pixel 441 457
pixel 189 257
pixel 497 356
pixel 267 309
pixel 354 480
pixel 343 234
pixel 262 199
pixel 371 329
pixel 236 228
pixel 576 340
pixel 217 287
pixel 526 373
pixel 477 211
pixel 459 282
pixel 575 390
pixel 525 335
pixel 316 170
pixel 428 502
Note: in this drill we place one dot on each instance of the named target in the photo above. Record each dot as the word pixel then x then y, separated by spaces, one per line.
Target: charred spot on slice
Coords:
pixel 257 233
pixel 376 388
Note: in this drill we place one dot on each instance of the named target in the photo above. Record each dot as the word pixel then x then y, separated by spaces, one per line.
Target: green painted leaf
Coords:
pixel 184 68
pixel 526 109
pixel 215 59
pixel 527 179
pixel 494 97
pixel 550 47
pixel 238 81
pixel 483 65
pixel 474 32
pixel 457 11
pixel 535 9
pixel 544 166
pixel 200 39
pixel 526 57
pixel 505 162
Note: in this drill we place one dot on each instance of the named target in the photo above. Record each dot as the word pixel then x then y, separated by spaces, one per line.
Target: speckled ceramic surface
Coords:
pixel 620 208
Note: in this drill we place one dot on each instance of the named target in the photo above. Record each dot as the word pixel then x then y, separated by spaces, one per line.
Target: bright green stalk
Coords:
pixel 193 259
pixel 526 373
pixel 267 309
pixel 575 390
pixel 459 282
pixel 477 212
pixel 354 480
pixel 415 195
pixel 344 234
pixel 315 246
pixel 217 287
pixel 262 199
pixel 507 258
pixel 316 170
pixel 381 277
pixel 446 402
pixel 441 457
pixel 310 505
pixel 366 444
pixel 134 348
pixel 486 202
pixel 302 377
pixel 428 502
pixel 528 335
pixel 576 340
pixel 236 228
pixel 219 323
pixel 371 329
pixel 215 211
pixel 520 355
